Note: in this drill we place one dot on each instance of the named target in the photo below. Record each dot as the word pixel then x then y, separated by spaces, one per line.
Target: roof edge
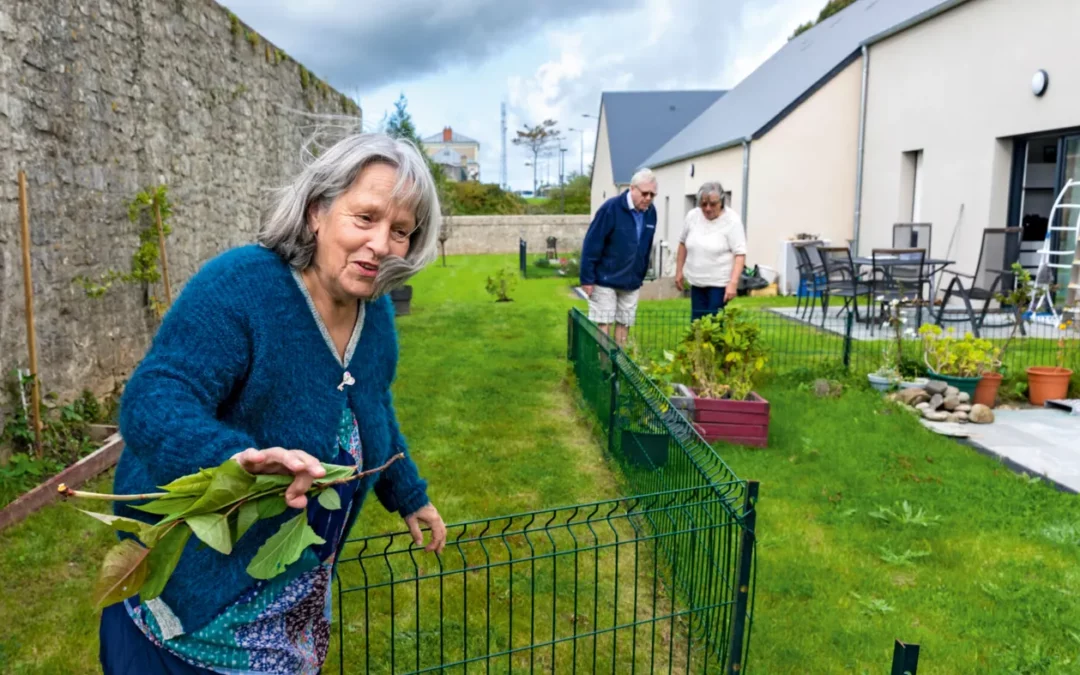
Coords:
pixel 726 145
pixel 914 21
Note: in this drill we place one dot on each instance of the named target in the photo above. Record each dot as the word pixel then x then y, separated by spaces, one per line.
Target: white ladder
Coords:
pixel 1050 260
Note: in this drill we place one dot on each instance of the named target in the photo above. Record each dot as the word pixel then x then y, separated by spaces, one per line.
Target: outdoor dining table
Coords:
pixel 934 265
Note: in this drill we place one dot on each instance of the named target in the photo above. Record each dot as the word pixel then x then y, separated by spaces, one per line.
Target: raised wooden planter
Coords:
pixel 740 422
pixel 75 475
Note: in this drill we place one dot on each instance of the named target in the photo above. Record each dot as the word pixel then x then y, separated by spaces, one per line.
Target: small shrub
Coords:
pixel 873 606
pixel 905 559
pixel 905 515
pixel 502 283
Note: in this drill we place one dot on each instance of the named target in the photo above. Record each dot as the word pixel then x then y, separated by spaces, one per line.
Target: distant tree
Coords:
pixel 537 140
pixel 831 7
pixel 400 124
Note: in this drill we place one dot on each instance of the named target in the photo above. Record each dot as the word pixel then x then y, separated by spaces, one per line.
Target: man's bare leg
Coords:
pixel 621 333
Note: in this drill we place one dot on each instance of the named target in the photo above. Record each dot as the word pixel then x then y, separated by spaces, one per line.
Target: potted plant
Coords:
pixel 892 371
pixel 402 299
pixel 715 369
pixel 1046 383
pixel 987 389
pixel 958 362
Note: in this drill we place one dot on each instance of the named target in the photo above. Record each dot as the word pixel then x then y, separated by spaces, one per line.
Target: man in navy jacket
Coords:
pixel 615 255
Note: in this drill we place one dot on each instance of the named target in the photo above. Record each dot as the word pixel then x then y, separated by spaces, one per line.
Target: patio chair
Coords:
pixel 811 277
pixel 897 281
pixel 841 280
pixel 993 274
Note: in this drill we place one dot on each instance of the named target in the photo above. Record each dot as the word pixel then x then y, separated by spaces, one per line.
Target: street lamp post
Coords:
pixel 562 183
pixel 581 165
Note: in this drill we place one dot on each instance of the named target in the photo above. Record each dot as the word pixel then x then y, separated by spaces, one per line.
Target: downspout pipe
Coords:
pixel 745 180
pixel 862 148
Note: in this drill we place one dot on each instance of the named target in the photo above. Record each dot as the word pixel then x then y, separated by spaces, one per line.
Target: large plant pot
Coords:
pixel 1046 383
pixel 987 389
pixel 740 422
pixel 917 383
pixel 402 298
pixel 965 384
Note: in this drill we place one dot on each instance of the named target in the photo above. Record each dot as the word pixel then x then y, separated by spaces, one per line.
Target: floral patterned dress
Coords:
pixel 281 625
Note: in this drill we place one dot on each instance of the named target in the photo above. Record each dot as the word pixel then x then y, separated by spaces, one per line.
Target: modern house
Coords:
pixel 939 111
pixel 457 154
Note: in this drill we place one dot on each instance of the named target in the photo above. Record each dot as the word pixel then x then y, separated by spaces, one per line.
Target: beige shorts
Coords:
pixel 608 305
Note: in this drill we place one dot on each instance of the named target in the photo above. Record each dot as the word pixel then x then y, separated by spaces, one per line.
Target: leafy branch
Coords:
pixel 218 506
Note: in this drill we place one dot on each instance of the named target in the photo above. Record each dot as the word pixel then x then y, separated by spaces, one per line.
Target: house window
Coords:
pixel 911 180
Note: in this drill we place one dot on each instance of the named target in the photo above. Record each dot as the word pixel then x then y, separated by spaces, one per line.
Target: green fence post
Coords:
pixel 905 659
pixel 570 336
pixel 522 255
pixel 849 325
pixel 742 597
pixel 614 400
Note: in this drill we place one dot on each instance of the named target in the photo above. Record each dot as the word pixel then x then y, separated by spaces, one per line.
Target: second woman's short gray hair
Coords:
pixel 325 177
pixel 711 188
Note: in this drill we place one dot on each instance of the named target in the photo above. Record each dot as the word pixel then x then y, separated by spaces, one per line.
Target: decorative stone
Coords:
pixel 964 408
pixel 925 405
pixel 953 418
pixel 912 397
pixel 950 403
pixel 936 401
pixel 951 391
pixel 981 414
pixel 933 416
pixel 936 387
pixel 965 397
pixel 962 416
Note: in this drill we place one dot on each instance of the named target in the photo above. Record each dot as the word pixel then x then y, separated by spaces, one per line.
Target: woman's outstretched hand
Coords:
pixel 302 466
pixel 429 516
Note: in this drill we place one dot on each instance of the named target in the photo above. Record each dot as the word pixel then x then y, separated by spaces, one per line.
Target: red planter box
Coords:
pixel 740 422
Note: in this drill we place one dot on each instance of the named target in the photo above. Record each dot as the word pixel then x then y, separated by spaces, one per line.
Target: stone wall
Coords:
pixel 101 100
pixel 500 234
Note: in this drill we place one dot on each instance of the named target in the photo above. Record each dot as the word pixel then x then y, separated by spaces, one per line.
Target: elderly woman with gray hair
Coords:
pixel 279 356
pixel 712 253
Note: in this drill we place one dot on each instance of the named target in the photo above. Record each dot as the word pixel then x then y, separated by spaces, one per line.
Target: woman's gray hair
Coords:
pixel 329 174
pixel 711 188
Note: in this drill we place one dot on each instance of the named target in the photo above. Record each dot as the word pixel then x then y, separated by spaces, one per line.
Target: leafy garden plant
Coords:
pixel 218 506
pixel 502 283
pixel 957 357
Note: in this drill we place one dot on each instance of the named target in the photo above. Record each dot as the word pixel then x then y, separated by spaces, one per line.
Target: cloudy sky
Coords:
pixel 457 61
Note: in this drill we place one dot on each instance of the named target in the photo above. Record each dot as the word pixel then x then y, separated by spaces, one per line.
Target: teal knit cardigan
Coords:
pixel 240 362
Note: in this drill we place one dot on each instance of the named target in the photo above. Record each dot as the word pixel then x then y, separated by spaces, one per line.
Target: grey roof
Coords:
pixel 639 122
pixel 455 137
pixel 791 75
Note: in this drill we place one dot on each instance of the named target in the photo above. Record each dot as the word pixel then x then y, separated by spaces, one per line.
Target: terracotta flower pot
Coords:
pixel 986 390
pixel 1046 383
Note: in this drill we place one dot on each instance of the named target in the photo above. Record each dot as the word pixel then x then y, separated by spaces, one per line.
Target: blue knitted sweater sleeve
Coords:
pixel 199 355
pixel 400 487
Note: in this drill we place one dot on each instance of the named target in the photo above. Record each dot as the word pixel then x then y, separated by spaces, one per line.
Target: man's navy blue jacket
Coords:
pixel 612 256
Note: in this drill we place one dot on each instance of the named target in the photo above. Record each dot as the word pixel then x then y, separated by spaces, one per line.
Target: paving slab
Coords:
pixel 1040 441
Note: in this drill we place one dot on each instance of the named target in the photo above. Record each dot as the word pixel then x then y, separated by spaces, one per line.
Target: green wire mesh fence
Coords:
pixel 661 581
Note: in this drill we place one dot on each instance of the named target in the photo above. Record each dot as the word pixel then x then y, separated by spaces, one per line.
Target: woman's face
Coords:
pixel 358 230
pixel 711 206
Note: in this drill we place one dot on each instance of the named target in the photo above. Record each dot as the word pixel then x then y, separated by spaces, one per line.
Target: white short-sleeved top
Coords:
pixel 711 247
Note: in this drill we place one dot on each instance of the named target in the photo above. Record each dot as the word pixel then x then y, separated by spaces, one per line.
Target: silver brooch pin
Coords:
pixel 346 381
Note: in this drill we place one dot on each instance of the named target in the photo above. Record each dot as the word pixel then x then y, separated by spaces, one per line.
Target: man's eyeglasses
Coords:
pixel 710 204
pixel 643 193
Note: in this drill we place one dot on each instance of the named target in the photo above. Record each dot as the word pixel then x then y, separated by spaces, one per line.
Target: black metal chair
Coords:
pixel 811 277
pixel 893 281
pixel 841 280
pixel 993 274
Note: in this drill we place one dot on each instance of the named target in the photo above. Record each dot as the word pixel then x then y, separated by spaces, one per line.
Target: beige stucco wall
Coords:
pixel 603 181
pixel 957 87
pixel 802 172
pixel 469 150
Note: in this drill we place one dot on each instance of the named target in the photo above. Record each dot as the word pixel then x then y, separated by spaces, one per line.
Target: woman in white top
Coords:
pixel 712 253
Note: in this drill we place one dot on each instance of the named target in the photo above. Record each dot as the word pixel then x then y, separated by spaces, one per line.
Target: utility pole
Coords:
pixel 505 178
pixel 562 182
pixel 581 164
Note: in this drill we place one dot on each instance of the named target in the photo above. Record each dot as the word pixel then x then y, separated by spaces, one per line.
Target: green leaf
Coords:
pixel 163 560
pixel 270 506
pixel 335 472
pixel 230 484
pixel 122 573
pixel 192 484
pixel 246 517
pixel 284 548
pixel 213 530
pixel 167 506
pixel 329 499
pixel 269 481
pixel 117 523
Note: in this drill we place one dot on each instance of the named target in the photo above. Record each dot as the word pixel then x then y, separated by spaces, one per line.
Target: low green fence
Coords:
pixel 659 581
pixel 844 343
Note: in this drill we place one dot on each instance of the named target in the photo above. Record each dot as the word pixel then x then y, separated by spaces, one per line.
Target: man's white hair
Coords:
pixel 643 176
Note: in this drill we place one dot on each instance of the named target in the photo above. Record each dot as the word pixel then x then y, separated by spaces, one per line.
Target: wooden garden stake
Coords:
pixel 31 336
pixel 164 256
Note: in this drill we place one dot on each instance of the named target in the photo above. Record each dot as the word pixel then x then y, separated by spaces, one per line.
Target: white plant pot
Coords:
pixel 917 383
pixel 879 382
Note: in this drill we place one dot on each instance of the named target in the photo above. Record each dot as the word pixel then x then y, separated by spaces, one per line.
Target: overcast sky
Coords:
pixel 457 61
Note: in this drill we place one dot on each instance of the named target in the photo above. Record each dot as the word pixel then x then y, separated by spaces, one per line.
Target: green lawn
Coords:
pixel 484 398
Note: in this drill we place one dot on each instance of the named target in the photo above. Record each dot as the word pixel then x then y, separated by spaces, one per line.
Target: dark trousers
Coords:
pixel 705 300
